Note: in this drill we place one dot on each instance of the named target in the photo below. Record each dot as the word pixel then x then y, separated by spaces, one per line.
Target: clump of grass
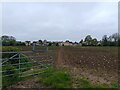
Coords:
pixel 114 85
pixel 56 78
pixel 83 83
pixel 11 49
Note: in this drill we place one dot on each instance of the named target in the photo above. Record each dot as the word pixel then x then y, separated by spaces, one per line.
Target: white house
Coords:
pixel 67 43
pixel 27 43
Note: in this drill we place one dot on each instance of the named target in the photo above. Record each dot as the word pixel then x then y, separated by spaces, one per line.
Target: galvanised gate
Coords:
pixel 25 63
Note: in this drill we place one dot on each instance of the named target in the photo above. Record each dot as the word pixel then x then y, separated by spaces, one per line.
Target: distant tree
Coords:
pixel 19 43
pixel 115 38
pixel 118 39
pixel 94 42
pixel 8 40
pixel 50 44
pixel 0 42
pixel 45 42
pixel 28 43
pixel 110 41
pixel 81 41
pixel 22 44
pixel 119 42
pixel 88 40
pixel 105 40
pixel 88 37
pixel 40 41
pixel 57 44
pixel 67 41
pixel 53 43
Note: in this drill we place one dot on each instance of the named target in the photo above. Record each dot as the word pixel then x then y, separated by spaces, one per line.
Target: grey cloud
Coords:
pixel 59 21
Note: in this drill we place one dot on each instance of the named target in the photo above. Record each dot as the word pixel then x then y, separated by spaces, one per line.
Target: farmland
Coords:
pixel 86 66
pixel 96 64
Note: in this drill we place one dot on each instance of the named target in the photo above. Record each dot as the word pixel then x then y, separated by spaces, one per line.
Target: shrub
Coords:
pixel 83 83
pixel 10 49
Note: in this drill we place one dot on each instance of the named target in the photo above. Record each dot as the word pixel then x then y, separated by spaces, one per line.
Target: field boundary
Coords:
pixel 40 62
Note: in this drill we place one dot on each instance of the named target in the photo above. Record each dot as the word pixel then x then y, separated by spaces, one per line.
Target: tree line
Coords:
pixel 112 40
pixel 10 41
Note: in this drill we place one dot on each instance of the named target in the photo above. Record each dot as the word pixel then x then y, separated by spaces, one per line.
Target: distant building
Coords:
pixel 84 43
pixel 27 43
pixel 75 44
pixel 37 43
pixel 34 43
pixel 80 44
pixel 99 43
pixel 67 43
pixel 45 43
pixel 60 43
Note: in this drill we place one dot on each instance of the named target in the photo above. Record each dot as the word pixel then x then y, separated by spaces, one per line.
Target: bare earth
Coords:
pixel 98 66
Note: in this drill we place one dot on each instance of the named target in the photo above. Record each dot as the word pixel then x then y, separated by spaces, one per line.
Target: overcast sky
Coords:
pixel 59 21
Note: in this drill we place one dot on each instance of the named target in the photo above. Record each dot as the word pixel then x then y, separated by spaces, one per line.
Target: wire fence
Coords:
pixel 25 63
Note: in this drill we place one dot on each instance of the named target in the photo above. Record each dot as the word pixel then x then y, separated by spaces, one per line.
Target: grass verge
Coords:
pixel 55 78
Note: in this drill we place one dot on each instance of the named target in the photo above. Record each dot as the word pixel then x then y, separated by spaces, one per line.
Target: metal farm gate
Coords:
pixel 25 63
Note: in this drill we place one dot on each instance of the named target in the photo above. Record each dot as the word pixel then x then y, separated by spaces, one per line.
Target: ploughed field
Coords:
pixel 98 64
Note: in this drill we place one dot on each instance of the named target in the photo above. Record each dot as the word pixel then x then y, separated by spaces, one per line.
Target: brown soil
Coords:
pixel 98 66
pixel 28 83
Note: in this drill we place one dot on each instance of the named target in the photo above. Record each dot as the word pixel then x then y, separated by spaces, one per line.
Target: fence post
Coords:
pixel 19 64
pixel 33 46
pixel 47 49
